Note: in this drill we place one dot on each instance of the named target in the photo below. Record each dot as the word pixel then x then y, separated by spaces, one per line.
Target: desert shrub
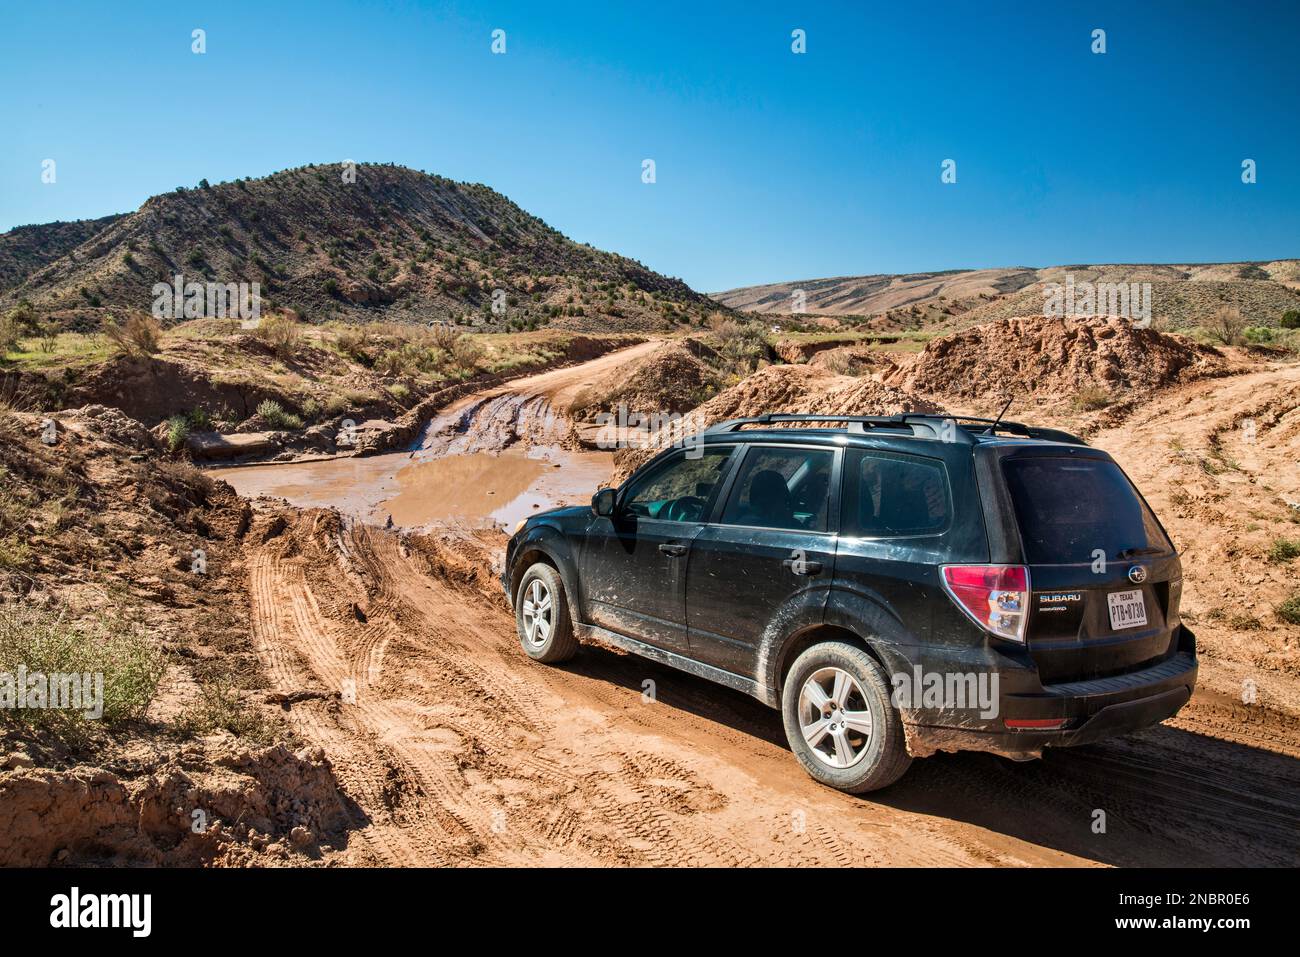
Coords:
pixel 443 337
pixel 1289 610
pixel 1092 397
pixel 219 707
pixel 330 286
pixel 139 336
pixel 841 362
pixel 1227 325
pixel 281 333
pixel 351 341
pixel 466 353
pixel 24 315
pixel 274 415
pixel 15 553
pixel 49 334
pixel 178 430
pixel 1290 319
pixel 1283 550
pixel 742 344
pixel 48 642
pixel 11 336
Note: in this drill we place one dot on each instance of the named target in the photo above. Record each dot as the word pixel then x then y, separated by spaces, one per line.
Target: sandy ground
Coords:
pixel 457 749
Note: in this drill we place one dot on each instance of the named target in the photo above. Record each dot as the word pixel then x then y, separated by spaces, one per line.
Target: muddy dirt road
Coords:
pixel 491 458
pixel 401 659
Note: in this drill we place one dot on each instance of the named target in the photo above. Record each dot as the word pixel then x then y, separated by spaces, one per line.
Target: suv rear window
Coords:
pixel 1070 507
pixel 889 495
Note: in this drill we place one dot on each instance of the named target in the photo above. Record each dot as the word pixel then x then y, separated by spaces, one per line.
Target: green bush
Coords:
pixel 48 643
pixel 178 430
pixel 1283 550
pixel 219 707
pixel 1290 319
pixel 10 335
pixel 1289 610
pixel 273 414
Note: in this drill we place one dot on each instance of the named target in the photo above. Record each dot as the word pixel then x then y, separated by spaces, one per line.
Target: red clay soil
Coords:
pixel 1055 357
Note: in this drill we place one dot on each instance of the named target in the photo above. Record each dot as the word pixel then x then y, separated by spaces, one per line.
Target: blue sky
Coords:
pixel 770 166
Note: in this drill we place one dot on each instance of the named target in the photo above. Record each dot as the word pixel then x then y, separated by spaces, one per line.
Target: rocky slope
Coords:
pixel 25 250
pixel 1181 295
pixel 394 244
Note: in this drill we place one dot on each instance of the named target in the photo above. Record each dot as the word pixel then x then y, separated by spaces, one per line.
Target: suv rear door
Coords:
pixel 772 546
pixel 1105 578
pixel 904 514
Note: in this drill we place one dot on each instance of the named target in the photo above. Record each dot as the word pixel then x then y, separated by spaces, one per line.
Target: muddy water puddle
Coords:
pixel 478 488
pixel 490 459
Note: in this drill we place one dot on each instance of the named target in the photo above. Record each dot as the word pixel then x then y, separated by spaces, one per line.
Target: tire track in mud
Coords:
pixel 501 766
pixel 359 769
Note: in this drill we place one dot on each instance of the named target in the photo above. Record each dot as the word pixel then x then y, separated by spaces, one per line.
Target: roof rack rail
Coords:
pixel 921 424
pixel 992 426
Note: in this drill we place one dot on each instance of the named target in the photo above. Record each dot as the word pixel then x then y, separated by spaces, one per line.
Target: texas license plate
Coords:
pixel 1128 609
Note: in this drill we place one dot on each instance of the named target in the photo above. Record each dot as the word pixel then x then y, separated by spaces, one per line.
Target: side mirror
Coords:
pixel 602 503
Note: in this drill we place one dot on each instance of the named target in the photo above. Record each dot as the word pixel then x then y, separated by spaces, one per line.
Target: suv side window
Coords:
pixel 890 495
pixel 680 490
pixel 782 488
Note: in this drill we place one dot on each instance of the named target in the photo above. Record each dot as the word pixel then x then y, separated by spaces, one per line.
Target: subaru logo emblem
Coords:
pixel 1137 574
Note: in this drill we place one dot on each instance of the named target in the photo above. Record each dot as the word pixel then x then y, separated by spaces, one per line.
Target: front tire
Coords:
pixel 542 616
pixel 839 720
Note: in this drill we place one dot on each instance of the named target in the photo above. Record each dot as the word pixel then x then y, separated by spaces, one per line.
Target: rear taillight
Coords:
pixel 996 597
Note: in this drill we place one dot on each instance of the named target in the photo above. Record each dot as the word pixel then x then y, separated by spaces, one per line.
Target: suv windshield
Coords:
pixel 1068 508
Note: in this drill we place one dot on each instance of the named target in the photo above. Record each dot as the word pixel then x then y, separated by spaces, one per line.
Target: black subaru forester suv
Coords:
pixel 895 585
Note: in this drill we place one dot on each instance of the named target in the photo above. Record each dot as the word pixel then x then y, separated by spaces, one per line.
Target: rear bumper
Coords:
pixel 1091 711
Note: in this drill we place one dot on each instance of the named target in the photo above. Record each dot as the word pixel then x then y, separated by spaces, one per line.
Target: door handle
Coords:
pixel 673 551
pixel 803 566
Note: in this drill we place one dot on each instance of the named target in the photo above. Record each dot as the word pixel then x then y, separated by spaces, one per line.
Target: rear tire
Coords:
pixel 839 720
pixel 542 616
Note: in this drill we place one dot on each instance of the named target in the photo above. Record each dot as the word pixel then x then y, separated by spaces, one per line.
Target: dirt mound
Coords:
pixel 1050 357
pixel 788 388
pixel 770 389
pixel 672 379
pixel 239 806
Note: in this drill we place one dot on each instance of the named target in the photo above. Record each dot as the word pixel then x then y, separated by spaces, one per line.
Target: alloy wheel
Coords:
pixel 539 610
pixel 834 718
